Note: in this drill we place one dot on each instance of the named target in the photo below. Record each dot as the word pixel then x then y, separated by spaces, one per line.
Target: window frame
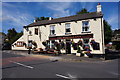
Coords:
pixel 85 28
pixel 52 29
pixel 36 31
pixel 67 27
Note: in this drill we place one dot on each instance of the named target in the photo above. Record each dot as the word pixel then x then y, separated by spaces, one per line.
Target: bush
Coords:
pixel 117 46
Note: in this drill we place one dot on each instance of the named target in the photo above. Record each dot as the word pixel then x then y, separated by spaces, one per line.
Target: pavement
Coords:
pixel 62 57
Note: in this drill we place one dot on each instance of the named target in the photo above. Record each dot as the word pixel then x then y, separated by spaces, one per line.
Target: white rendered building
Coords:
pixel 70 29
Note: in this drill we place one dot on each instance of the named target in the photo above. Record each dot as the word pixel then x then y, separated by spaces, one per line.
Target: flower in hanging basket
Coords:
pixel 92 42
pixel 55 43
pixel 62 45
pixel 79 50
pixel 87 47
pixel 80 42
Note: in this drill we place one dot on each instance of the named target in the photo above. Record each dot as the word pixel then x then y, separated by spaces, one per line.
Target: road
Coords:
pixel 21 66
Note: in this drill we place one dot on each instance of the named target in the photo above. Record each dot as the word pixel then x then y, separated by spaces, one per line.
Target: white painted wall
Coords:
pixel 76 28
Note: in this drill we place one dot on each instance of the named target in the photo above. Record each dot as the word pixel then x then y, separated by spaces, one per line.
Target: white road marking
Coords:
pixel 114 73
pixel 62 76
pixel 22 65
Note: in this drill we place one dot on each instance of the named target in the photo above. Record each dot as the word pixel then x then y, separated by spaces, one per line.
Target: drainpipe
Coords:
pixel 102 34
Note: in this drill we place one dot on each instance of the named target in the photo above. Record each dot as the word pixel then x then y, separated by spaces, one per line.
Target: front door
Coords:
pixel 68 47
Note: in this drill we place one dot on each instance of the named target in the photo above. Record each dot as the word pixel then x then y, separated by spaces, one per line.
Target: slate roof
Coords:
pixel 67 19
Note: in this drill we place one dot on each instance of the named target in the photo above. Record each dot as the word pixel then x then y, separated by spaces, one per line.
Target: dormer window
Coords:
pixel 85 26
pixel 67 28
pixel 52 30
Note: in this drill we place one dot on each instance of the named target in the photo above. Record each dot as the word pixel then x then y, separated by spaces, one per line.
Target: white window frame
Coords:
pixel 84 26
pixel 67 27
pixel 52 28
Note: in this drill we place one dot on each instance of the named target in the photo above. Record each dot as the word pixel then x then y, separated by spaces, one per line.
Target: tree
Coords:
pixel 107 32
pixel 13 35
pixel 17 36
pixel 82 11
pixel 116 32
pixel 41 18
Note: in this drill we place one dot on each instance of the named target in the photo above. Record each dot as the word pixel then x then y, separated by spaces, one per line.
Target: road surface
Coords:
pixel 21 66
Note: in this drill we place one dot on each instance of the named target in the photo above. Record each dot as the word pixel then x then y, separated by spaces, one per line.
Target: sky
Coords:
pixel 18 14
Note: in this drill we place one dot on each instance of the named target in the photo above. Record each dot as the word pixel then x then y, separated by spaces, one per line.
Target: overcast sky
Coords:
pixel 18 14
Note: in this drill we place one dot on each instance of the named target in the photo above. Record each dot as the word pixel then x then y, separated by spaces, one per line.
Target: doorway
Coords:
pixel 68 46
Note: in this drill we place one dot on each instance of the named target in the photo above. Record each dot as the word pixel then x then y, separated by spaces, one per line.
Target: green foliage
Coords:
pixel 116 32
pixel 12 35
pixel 117 45
pixel 107 32
pixel 2 33
pixel 41 18
pixel 82 11
pixel 17 36
pixel 79 50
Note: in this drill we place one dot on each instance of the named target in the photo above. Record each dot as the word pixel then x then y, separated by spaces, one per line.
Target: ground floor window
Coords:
pixel 20 44
pixel 52 44
pixel 86 43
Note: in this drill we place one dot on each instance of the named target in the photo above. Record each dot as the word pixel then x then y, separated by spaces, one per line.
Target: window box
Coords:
pixel 68 33
pixel 86 31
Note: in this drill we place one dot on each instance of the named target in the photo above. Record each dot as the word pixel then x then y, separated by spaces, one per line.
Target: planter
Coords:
pixel 78 54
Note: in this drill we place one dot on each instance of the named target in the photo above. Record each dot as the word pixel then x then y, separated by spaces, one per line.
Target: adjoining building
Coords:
pixel 83 29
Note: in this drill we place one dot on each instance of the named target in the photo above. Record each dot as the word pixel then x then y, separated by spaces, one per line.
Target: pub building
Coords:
pixel 67 33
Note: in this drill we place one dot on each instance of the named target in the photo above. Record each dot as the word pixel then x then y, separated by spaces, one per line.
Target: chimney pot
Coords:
pixel 98 3
pixel 99 8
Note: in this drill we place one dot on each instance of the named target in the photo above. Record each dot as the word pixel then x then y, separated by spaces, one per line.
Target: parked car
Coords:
pixel 6 46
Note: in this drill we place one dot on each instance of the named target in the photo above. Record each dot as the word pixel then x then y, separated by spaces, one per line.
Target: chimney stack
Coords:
pixel 34 20
pixel 50 18
pixel 99 8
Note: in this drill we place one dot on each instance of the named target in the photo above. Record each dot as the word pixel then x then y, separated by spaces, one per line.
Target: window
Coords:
pixel 52 30
pixel 30 32
pixel 85 26
pixel 52 44
pixel 85 42
pixel 67 27
pixel 20 44
pixel 36 31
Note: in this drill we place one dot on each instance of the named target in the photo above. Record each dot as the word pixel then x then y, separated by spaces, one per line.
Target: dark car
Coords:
pixel 6 46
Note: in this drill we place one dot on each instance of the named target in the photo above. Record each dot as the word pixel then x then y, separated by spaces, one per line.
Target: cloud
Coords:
pixel 113 21
pixel 14 17
pixel 59 9
pixel 88 5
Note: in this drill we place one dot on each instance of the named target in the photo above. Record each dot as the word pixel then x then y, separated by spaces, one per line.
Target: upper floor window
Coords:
pixel 85 26
pixel 67 28
pixel 52 29
pixel 30 32
pixel 36 31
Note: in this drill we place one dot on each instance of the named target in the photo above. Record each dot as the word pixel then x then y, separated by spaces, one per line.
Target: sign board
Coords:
pixel 71 36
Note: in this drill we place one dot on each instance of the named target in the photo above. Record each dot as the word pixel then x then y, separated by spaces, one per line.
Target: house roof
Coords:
pixel 67 19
